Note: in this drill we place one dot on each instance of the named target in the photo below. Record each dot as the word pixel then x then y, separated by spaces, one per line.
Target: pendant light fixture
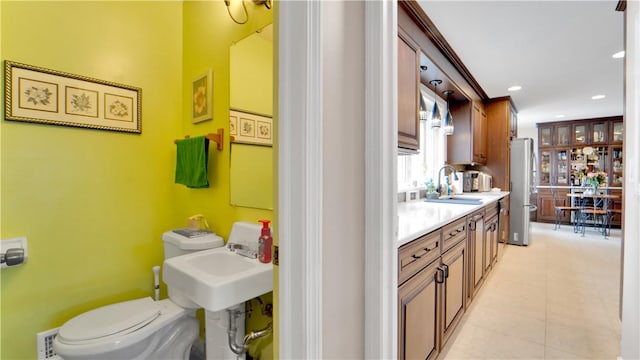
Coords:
pixel 436 117
pixel 423 105
pixel 423 108
pixel 448 119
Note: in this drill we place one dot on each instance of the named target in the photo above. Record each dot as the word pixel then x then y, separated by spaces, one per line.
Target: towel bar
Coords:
pixel 217 137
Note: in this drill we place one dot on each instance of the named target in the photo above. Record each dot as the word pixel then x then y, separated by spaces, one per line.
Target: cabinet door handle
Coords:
pixel 439 276
pixel 472 225
pixel 446 270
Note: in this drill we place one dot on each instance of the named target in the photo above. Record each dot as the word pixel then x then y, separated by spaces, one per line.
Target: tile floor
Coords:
pixel 554 299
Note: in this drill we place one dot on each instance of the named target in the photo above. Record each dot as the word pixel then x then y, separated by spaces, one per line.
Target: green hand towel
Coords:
pixel 191 162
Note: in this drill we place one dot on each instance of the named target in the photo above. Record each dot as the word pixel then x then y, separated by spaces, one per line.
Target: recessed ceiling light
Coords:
pixel 515 88
pixel 598 97
pixel 618 55
pixel 560 116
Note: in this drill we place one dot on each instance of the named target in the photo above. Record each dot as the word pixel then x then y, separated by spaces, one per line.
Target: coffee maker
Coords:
pixel 471 181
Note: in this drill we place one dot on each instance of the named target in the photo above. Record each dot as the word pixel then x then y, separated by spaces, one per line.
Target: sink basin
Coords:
pixel 218 278
pixel 464 200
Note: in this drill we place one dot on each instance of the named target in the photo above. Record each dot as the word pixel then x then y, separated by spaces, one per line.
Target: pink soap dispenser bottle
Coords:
pixel 264 242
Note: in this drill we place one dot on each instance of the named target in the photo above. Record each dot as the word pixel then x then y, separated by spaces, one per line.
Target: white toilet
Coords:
pixel 141 328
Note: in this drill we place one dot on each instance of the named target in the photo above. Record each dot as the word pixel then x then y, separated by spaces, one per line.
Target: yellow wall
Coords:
pixel 93 204
pixel 208 35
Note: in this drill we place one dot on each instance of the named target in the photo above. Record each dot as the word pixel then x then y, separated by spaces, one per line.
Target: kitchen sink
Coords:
pixel 463 200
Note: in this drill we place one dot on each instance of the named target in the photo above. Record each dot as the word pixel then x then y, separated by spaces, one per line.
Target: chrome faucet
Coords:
pixel 243 249
pixel 453 170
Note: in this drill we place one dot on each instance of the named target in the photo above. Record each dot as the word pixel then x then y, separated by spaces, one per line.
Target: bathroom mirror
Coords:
pixel 251 92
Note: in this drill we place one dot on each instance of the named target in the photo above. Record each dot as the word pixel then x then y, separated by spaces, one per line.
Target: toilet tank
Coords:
pixel 184 241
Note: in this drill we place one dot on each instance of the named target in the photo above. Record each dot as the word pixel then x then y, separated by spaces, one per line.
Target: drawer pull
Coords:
pixel 416 256
pixel 427 249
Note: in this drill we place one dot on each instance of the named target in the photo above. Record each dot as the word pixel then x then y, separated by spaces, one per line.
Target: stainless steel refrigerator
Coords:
pixel 523 190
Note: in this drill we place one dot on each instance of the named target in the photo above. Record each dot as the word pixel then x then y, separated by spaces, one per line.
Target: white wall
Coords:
pixel 630 346
pixel 343 179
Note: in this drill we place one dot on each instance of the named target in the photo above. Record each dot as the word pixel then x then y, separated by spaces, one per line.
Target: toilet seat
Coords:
pixel 110 321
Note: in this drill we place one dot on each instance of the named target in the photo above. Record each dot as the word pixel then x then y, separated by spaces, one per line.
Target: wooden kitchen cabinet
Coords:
pixel 408 93
pixel 454 292
pixel 479 138
pixel 617 132
pixel 502 126
pixel 562 135
pixel 545 135
pixel 418 315
pixel 475 241
pixel 546 208
pixel 490 248
pixel 418 297
pixel 503 220
pixel 468 144
pixel 580 134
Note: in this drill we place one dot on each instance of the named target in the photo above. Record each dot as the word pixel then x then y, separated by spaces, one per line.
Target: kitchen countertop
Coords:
pixel 418 218
pixel 576 187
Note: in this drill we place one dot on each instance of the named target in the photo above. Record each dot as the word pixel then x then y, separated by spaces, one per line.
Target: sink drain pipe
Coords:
pixel 232 330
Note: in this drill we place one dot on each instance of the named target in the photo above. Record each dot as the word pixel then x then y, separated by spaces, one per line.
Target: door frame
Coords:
pixel 299 30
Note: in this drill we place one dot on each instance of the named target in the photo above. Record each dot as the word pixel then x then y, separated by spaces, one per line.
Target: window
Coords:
pixel 414 170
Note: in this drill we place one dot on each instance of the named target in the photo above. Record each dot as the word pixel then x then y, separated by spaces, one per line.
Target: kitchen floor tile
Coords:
pixel 554 299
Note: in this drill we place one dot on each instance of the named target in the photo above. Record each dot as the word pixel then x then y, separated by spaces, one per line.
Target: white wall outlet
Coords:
pixel 7 244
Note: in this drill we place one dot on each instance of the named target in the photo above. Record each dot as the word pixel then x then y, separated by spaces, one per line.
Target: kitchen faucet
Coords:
pixel 453 170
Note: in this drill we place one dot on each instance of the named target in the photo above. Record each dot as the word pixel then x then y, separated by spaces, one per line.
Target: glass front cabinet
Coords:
pixel 563 135
pixel 617 165
pixel 545 166
pixel 580 134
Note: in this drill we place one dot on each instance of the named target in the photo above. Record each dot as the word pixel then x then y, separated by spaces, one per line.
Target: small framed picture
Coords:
pixel 39 95
pixel 202 97
pixel 249 128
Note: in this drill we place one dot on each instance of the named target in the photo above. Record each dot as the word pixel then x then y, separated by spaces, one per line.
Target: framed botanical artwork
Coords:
pixel 38 95
pixel 250 128
pixel 202 97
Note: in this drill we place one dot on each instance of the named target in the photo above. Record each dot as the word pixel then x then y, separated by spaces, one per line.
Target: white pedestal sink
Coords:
pixel 217 279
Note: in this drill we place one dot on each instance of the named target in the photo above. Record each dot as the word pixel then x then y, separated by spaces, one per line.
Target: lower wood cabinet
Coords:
pixel 438 275
pixel 476 252
pixel 453 289
pixel 491 243
pixel 418 317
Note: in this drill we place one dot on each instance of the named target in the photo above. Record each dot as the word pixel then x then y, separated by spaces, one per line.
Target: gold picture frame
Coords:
pixel 202 97
pixel 38 95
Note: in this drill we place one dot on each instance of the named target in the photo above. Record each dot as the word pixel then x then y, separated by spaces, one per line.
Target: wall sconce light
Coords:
pixel 436 117
pixel 448 119
pixel 266 3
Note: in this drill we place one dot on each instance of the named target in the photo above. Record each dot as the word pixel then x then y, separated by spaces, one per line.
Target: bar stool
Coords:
pixel 592 211
pixel 561 208
pixel 611 214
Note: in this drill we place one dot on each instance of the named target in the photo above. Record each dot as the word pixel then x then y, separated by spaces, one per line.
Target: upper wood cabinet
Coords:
pixel 580 135
pixel 545 135
pixel 599 131
pixel 408 93
pixel 468 144
pixel 479 138
pixel 617 132
pixel 502 125
pixel 562 135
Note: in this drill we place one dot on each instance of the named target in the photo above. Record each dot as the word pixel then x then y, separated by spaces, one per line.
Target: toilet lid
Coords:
pixel 108 320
